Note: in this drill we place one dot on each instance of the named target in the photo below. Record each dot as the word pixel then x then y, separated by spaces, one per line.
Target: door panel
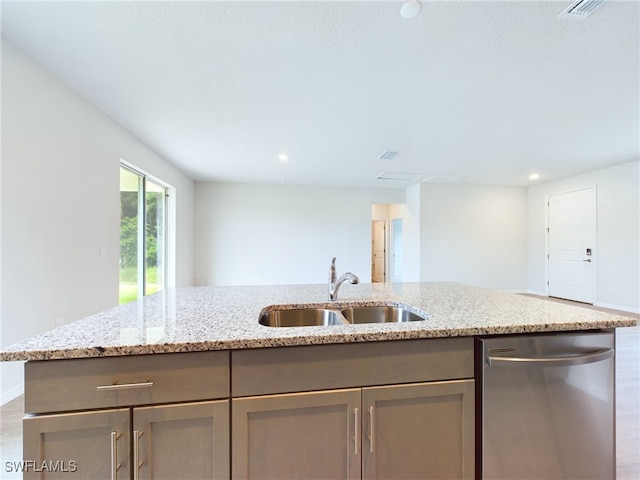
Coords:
pixel 419 431
pixel 185 441
pixel 295 436
pixel 78 445
pixel 571 245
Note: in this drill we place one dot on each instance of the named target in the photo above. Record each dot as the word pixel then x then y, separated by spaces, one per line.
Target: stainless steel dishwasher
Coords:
pixel 546 406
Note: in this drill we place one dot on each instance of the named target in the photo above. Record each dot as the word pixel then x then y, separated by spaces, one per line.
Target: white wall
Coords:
pixel 411 236
pixel 60 204
pixel 266 234
pixel 380 211
pixel 617 233
pixel 474 234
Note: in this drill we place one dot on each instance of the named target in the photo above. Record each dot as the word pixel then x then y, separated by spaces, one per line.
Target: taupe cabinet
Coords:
pixel 419 431
pixel 294 436
pixel 407 431
pixel 146 439
pixel 411 430
pixel 86 444
pixel 397 409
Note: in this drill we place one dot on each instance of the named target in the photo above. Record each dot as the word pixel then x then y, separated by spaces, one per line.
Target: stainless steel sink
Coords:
pixel 319 316
pixel 301 317
pixel 381 314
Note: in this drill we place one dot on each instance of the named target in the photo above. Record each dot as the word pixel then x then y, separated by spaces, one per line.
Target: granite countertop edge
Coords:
pixel 194 319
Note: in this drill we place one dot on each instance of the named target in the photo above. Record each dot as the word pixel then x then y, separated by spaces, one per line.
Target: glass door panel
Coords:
pixel 142 235
pixel 130 188
pixel 154 237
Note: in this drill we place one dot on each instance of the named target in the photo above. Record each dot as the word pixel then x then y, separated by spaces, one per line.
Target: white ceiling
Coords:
pixel 485 91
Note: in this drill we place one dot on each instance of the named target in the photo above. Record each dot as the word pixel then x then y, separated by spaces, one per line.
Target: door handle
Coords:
pixel 115 466
pixel 356 430
pixel 587 260
pixel 371 426
pixel 136 454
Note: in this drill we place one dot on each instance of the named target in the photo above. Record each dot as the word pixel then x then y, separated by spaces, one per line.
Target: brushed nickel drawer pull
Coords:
pixel 124 386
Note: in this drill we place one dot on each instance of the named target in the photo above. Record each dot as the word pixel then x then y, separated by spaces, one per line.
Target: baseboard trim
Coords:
pixel 611 306
pixel 529 292
pixel 622 308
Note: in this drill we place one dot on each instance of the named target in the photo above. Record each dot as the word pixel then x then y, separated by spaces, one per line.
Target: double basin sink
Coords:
pixel 325 316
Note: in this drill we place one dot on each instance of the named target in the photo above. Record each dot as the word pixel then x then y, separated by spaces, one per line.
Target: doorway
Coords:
pixel 392 242
pixel 571 252
pixel 378 251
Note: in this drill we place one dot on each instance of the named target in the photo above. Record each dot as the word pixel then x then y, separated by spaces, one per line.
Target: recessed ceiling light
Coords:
pixel 534 176
pixel 283 157
pixel 410 9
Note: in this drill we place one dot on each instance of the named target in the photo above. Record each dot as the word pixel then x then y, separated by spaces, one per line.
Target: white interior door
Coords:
pixel 571 242
pixel 378 251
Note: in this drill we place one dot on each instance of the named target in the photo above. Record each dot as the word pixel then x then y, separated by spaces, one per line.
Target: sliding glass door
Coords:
pixel 143 246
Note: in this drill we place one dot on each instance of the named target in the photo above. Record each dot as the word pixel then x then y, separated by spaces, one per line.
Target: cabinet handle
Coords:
pixel 115 466
pixel 136 454
pixel 356 430
pixel 371 424
pixel 123 386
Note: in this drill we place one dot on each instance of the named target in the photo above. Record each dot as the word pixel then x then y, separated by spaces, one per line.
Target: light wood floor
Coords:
pixel 627 411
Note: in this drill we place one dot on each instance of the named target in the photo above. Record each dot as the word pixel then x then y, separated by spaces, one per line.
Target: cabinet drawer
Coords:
pixel 321 367
pixel 88 383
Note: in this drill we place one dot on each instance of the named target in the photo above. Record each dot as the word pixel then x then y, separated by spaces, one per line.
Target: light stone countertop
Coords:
pixel 226 318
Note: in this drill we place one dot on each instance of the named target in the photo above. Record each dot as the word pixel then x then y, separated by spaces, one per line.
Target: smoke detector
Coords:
pixel 410 9
pixel 581 8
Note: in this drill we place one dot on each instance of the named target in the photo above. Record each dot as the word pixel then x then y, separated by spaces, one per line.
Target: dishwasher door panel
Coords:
pixel 548 406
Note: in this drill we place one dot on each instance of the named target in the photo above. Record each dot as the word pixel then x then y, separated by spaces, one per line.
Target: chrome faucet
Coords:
pixel 334 284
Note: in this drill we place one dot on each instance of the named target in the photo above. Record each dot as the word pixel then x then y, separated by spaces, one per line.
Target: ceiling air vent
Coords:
pixel 581 8
pixel 440 179
pixel 402 176
pixel 387 155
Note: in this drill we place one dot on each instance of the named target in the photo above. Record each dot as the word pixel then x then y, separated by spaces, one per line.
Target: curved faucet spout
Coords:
pixel 334 285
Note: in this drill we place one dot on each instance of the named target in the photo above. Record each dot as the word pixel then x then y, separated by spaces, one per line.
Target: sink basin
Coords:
pixel 383 314
pixel 301 317
pixel 323 316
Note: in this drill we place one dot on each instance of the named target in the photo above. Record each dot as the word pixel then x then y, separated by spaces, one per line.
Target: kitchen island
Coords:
pixel 229 397
pixel 194 319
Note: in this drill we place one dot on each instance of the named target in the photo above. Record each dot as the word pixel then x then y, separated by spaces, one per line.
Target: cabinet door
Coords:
pixel 421 431
pixel 77 445
pixel 185 441
pixel 313 435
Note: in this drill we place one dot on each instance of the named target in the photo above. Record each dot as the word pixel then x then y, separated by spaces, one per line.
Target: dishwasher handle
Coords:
pixel 564 361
